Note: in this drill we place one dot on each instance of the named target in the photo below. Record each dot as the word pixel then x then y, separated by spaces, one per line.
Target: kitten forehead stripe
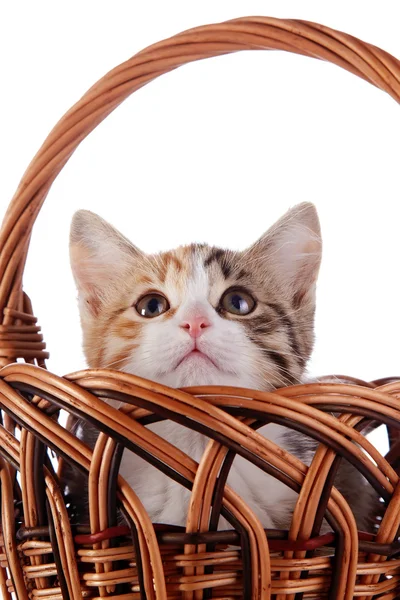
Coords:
pixel 219 256
pixel 242 274
pixel 215 254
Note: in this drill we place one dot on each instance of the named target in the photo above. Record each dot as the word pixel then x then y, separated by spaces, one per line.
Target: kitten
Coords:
pixel 200 315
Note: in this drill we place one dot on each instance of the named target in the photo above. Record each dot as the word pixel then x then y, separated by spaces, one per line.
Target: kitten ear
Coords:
pixel 100 257
pixel 291 249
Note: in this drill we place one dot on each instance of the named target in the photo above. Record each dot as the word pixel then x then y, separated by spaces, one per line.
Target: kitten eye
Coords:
pixel 152 305
pixel 238 302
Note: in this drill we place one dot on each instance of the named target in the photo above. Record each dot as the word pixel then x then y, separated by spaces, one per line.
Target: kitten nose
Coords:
pixel 195 326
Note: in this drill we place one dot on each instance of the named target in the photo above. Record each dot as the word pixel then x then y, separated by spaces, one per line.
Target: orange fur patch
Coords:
pixel 126 328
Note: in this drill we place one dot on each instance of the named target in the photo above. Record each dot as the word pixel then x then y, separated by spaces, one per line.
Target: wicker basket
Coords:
pixel 43 556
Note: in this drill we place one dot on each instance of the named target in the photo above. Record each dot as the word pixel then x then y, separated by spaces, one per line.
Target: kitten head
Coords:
pixel 200 315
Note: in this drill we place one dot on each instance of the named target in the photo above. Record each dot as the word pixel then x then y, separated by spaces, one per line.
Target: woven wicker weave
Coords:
pixel 43 556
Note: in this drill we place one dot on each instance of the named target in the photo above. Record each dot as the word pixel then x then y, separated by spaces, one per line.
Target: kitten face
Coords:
pixel 199 315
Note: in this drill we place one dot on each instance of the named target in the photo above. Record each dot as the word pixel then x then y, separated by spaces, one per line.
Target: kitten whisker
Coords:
pixel 116 362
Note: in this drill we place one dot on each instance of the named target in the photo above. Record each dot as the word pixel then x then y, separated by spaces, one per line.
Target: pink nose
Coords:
pixel 195 326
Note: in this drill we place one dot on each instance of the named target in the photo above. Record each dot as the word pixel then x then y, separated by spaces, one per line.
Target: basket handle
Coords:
pixel 248 33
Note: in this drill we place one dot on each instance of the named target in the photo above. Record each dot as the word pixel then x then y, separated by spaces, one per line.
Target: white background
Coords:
pixel 214 152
